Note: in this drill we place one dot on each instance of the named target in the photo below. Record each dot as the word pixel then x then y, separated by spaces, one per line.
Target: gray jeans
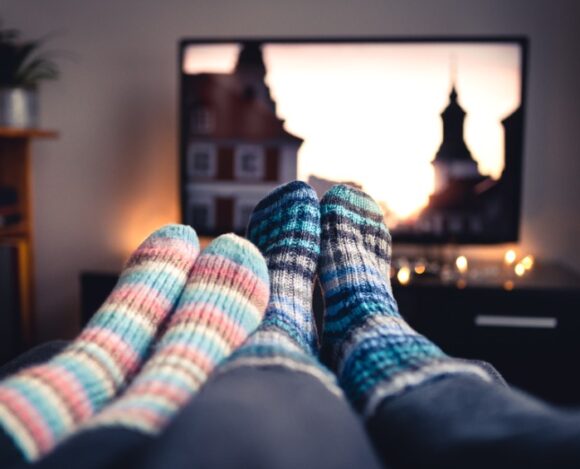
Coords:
pixel 276 418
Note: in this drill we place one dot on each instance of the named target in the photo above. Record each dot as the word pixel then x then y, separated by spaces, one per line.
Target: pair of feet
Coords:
pixel 198 308
pixel 173 316
pixel 344 242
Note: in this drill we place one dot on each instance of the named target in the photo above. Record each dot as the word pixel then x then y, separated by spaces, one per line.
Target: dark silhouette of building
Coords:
pixel 465 204
pixel 453 161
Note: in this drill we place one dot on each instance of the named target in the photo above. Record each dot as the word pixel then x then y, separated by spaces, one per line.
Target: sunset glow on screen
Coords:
pixel 370 113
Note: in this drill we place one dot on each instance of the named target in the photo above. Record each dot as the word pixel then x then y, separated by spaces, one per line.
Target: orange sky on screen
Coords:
pixel 371 113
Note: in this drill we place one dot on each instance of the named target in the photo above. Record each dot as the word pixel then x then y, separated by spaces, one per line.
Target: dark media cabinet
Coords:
pixel 531 333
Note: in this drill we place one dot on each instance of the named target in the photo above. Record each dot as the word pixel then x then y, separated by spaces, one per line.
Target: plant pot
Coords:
pixel 18 107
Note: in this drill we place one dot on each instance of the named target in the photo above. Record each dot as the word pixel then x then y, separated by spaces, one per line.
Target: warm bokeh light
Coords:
pixel 420 268
pixel 509 257
pixel 371 113
pixel 528 262
pixel 508 285
pixel 140 220
pixel 461 264
pixel 519 269
pixel 404 275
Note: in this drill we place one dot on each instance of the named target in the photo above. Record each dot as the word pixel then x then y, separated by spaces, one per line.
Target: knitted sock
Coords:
pixel 223 302
pixel 374 352
pixel 285 226
pixel 41 405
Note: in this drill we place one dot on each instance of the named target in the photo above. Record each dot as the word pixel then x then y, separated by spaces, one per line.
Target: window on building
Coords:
pixel 199 216
pixel 455 224
pixel 201 160
pixel 476 224
pixel 250 162
pixel 202 120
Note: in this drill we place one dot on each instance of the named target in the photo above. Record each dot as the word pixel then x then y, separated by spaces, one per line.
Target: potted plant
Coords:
pixel 23 66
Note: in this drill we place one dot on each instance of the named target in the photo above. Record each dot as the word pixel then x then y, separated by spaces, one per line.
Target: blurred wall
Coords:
pixel 111 177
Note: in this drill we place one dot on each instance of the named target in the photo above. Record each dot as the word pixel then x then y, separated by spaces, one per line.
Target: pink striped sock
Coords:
pixel 223 302
pixel 43 404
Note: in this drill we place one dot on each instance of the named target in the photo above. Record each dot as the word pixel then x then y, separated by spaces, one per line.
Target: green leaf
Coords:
pixel 22 63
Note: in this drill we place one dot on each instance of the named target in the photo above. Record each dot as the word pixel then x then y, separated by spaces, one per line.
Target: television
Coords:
pixel 432 128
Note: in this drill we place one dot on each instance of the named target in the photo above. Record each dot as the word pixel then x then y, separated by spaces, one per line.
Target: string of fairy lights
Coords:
pixel 461 270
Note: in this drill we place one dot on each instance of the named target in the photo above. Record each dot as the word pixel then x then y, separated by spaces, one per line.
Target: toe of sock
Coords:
pixel 173 232
pixel 350 212
pixel 177 244
pixel 240 251
pixel 290 211
pixel 283 191
pixel 293 192
pixel 352 198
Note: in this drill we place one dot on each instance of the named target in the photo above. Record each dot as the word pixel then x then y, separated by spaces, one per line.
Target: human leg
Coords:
pixel 223 301
pixel 42 404
pixel 422 407
pixel 263 417
pixel 272 404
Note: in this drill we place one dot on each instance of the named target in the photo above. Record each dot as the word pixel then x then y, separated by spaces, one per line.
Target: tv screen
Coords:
pixel 431 128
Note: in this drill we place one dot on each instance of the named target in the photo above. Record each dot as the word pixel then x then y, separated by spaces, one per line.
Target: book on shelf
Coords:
pixel 9 215
pixel 10 212
pixel 10 219
pixel 10 327
pixel 8 196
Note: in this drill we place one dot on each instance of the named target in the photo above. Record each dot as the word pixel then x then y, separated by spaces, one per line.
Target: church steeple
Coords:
pixel 453 160
pixel 250 60
pixel 453 147
pixel 251 72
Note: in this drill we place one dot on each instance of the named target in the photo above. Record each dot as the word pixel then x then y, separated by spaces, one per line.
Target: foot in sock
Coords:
pixel 374 352
pixel 285 226
pixel 223 302
pixel 41 405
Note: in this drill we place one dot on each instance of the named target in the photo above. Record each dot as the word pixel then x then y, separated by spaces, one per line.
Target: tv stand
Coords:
pixel 529 332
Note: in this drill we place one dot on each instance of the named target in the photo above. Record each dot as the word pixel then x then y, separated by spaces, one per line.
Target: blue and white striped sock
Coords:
pixel 374 352
pixel 285 227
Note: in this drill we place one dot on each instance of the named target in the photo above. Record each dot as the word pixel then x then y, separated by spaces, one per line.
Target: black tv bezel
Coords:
pixel 521 41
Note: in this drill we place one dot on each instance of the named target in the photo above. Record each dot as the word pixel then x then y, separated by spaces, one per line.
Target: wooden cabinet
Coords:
pixel 16 217
pixel 529 333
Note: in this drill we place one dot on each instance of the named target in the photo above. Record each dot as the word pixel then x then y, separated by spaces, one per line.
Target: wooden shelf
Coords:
pixel 10 132
pixel 16 230
pixel 16 173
